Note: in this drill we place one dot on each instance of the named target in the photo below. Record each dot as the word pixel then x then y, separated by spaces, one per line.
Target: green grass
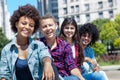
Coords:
pixel 112 62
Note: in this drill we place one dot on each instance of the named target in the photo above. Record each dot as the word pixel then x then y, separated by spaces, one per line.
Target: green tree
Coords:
pixel 100 22
pixel 108 32
pixel 99 49
pixel 117 43
pixel 117 21
pixel 3 40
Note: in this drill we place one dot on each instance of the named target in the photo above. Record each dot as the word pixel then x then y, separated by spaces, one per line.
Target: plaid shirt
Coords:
pixel 77 58
pixel 62 55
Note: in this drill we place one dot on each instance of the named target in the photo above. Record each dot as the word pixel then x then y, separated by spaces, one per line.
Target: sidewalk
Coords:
pixel 113 72
pixel 113 67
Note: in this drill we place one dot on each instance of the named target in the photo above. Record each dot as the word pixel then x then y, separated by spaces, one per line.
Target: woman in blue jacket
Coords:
pixel 24 58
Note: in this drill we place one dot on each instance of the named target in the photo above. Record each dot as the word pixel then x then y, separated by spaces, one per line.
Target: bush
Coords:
pixel 99 49
pixel 117 43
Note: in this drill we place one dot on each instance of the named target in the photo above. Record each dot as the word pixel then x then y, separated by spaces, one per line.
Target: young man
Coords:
pixel 60 51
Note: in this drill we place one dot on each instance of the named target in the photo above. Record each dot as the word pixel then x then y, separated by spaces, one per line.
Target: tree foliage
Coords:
pixel 100 22
pixel 117 21
pixel 117 43
pixel 3 40
pixel 108 32
pixel 109 35
pixel 99 48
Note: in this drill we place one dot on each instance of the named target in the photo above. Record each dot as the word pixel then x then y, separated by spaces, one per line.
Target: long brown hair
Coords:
pixel 75 38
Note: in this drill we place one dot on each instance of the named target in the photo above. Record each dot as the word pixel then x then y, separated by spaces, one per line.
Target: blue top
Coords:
pixel 36 52
pixel 88 52
pixel 22 70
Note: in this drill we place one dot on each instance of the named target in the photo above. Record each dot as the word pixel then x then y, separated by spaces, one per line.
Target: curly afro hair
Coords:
pixel 27 11
pixel 91 29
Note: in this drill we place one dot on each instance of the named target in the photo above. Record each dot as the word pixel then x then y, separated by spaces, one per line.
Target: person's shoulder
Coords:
pixel 8 46
pixel 38 42
pixel 61 41
pixel 89 47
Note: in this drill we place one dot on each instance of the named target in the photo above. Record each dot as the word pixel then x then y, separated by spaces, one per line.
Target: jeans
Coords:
pixel 95 76
pixel 56 72
pixel 71 77
pixel 90 75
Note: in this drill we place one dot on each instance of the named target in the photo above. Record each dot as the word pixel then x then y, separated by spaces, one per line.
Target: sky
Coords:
pixel 13 5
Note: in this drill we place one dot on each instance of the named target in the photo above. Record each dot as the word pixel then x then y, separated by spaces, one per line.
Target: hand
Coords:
pixel 94 63
pixel 48 72
pixel 81 78
pixel 96 68
pixel 2 79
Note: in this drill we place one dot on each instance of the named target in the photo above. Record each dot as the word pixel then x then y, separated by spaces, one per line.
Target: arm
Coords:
pixel 76 72
pixel 46 60
pixel 71 63
pixel 48 72
pixel 93 62
pixel 91 58
pixel 3 79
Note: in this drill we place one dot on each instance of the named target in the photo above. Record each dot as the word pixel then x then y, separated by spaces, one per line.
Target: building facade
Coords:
pixel 83 11
pixel 4 20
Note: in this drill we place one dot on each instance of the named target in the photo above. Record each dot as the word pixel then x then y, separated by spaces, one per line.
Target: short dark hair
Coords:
pixel 27 11
pixel 91 29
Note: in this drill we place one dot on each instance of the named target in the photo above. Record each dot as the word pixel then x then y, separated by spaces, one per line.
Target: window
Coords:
pixel 54 0
pixel 72 16
pixel 100 5
pixel 64 1
pixel 87 17
pixel 78 18
pixel 72 9
pixel 54 5
pixel 110 2
pixel 100 14
pixel 77 8
pixel 71 0
pixel 54 10
pixel 87 7
pixel 64 10
pixel 56 17
pixel 110 14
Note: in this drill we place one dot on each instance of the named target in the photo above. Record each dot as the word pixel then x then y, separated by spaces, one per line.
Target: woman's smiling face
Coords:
pixel 25 26
pixel 69 31
pixel 85 39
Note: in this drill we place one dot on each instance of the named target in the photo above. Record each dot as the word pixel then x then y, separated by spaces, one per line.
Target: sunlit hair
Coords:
pixel 91 29
pixel 75 39
pixel 47 16
pixel 27 11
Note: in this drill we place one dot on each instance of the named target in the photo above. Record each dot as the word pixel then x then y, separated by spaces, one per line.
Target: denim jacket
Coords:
pixel 36 52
